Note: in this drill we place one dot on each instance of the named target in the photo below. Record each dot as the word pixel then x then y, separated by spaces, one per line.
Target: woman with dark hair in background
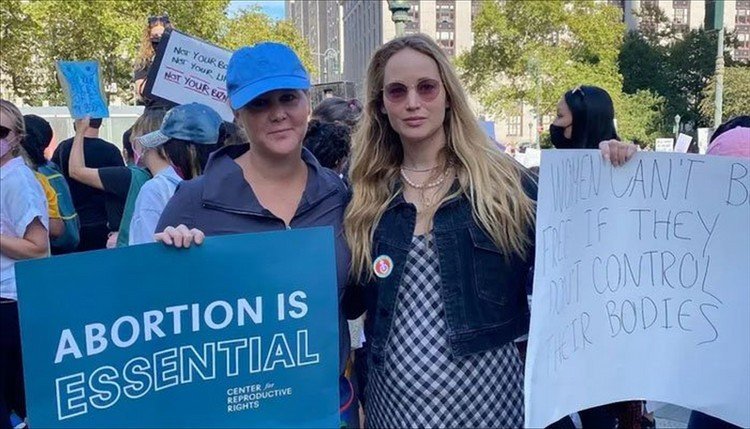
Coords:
pixel 336 109
pixel 330 143
pixel 37 139
pixel 585 118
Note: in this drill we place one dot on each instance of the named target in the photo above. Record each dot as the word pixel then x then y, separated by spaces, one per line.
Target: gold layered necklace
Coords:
pixel 427 201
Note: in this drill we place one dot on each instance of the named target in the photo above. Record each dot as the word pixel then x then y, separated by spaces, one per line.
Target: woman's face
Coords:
pixel 414 96
pixel 276 122
pixel 156 31
pixel 11 140
pixel 564 118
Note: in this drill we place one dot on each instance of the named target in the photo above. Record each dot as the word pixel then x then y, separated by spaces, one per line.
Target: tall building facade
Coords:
pixel 321 24
pixel 690 14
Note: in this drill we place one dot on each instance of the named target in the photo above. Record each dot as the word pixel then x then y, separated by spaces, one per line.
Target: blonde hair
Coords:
pixel 19 126
pixel 488 178
pixel 149 121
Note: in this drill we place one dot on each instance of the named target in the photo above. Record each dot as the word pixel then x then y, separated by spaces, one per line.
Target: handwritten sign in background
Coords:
pixel 200 366
pixel 82 85
pixel 189 70
pixel 642 285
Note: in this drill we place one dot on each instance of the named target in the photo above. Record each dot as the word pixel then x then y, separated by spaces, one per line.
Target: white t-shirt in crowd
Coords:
pixel 22 200
pixel 152 198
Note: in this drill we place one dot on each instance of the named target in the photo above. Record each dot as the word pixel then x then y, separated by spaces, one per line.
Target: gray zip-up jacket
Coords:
pixel 222 202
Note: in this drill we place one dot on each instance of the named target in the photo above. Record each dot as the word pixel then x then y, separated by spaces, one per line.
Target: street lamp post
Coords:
pixel 400 14
pixel 329 53
pixel 676 126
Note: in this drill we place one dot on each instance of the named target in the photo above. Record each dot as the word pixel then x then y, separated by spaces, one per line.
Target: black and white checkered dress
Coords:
pixel 421 385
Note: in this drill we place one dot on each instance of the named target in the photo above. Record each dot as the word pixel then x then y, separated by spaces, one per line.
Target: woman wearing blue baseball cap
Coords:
pixel 272 183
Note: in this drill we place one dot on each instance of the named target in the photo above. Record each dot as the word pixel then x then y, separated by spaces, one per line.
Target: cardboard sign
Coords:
pixel 187 69
pixel 683 143
pixel 641 285
pixel 703 137
pixel 241 331
pixel 664 145
pixel 82 85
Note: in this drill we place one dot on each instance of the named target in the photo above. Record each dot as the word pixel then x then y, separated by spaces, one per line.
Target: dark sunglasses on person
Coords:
pixel 4 132
pixel 427 89
pixel 152 20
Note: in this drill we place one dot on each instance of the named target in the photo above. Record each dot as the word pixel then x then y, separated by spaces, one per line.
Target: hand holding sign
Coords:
pixel 82 86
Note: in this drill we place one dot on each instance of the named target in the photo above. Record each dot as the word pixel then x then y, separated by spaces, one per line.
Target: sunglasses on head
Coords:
pixel 152 20
pixel 4 132
pixel 427 89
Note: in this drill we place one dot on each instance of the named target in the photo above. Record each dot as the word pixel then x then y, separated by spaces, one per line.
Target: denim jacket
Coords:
pixel 484 295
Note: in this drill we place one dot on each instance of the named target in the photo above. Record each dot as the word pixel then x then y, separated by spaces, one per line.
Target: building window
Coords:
pixel 413 25
pixel 515 123
pixel 681 16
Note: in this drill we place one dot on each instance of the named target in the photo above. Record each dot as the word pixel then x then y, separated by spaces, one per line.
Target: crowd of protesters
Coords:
pixel 401 174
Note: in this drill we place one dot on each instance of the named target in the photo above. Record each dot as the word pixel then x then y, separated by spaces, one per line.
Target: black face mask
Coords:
pixel 155 42
pixel 557 134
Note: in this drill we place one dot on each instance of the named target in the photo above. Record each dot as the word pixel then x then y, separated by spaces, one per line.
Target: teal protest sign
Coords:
pixel 82 85
pixel 239 332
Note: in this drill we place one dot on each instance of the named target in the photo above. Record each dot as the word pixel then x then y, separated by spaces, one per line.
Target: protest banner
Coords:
pixel 187 69
pixel 641 285
pixel 82 85
pixel 664 145
pixel 241 331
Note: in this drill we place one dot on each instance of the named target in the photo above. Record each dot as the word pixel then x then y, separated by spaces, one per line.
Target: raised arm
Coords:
pixel 77 162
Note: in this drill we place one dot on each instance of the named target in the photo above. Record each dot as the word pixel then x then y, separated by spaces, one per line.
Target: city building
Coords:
pixel 321 24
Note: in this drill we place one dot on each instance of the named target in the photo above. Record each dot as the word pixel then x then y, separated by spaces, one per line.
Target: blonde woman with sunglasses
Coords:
pixel 441 229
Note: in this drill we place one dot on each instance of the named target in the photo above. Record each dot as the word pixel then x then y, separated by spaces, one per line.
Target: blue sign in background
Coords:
pixel 82 85
pixel 69 292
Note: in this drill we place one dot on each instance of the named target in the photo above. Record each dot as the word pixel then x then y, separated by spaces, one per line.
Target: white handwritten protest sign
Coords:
pixel 642 285
pixel 683 143
pixel 664 145
pixel 187 70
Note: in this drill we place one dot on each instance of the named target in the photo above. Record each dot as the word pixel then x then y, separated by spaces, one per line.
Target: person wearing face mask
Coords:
pixel 24 226
pixel 171 155
pixel 121 183
pixel 152 35
pixel 585 120
pixel 271 184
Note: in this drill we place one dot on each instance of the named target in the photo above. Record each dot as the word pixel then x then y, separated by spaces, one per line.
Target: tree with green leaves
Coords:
pixel 675 64
pixel 535 51
pixel 736 94
pixel 251 26
pixel 37 33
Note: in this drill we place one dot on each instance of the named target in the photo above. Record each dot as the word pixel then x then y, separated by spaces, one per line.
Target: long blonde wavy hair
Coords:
pixel 490 179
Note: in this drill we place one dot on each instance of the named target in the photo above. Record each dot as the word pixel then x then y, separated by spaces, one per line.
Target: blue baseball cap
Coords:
pixel 265 67
pixel 194 122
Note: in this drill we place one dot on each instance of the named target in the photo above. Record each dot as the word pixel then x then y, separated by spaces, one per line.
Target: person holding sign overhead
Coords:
pixel 273 183
pixel 23 235
pixel 150 39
